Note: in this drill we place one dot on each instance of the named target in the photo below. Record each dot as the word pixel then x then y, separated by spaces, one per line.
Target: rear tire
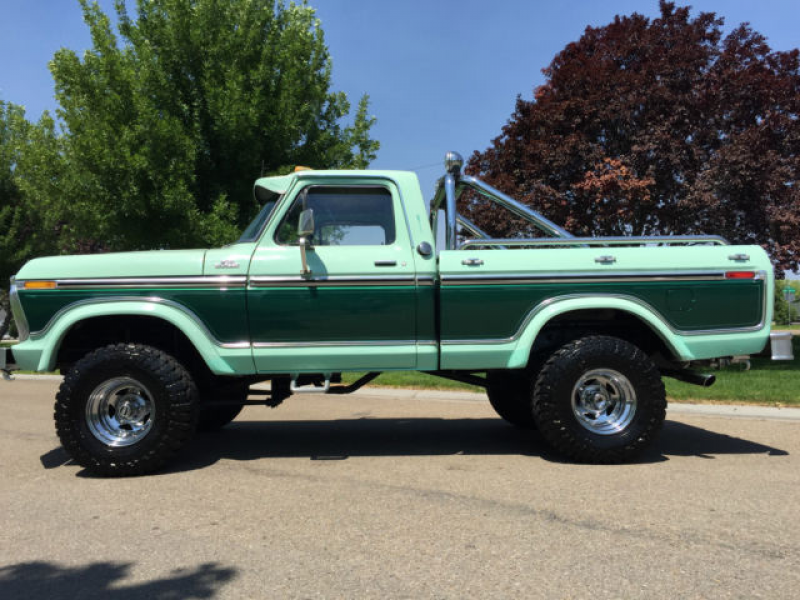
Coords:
pixel 125 409
pixel 599 399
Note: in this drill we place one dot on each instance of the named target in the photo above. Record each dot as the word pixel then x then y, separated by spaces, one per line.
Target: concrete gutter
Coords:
pixel 675 408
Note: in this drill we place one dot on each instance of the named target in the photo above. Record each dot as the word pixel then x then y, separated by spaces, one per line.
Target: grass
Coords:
pixel 413 379
pixel 767 383
pixel 792 327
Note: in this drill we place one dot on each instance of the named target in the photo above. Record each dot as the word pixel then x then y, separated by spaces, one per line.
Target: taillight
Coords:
pixel 740 275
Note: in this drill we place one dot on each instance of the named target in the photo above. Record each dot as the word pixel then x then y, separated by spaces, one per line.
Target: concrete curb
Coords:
pixel 38 377
pixel 675 408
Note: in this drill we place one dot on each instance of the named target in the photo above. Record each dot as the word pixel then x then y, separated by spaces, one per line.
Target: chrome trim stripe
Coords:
pixel 212 281
pixel 598 241
pixel 331 281
pixel 233 345
pixel 257 345
pixel 141 299
pixel 23 330
pixel 550 301
pixel 588 277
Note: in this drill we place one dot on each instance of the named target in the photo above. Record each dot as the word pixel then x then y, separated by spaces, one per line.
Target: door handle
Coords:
pixel 606 259
pixel 472 262
pixel 385 263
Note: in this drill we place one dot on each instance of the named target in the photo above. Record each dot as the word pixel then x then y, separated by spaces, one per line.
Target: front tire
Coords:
pixel 599 399
pixel 125 409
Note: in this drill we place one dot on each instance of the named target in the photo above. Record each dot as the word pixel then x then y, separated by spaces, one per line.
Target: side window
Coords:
pixel 343 216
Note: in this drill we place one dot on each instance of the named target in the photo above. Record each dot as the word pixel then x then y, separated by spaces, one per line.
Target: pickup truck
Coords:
pixel 350 271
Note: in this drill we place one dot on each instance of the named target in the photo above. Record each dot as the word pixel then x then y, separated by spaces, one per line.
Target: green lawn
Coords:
pixel 772 383
pixel 792 327
pixel 412 379
pixel 767 382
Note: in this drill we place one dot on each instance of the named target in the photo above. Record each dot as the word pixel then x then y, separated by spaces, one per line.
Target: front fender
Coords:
pixel 40 351
pixel 556 306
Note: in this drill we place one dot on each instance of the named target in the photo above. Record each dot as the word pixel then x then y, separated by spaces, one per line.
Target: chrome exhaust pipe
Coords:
pixel 693 377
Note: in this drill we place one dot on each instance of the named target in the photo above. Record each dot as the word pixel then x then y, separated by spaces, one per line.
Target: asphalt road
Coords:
pixel 387 497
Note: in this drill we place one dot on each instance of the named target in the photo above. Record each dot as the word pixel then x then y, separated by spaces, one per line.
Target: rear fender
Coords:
pixel 548 310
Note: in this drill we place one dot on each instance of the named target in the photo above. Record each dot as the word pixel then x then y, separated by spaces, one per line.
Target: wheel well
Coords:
pixel 90 334
pixel 618 323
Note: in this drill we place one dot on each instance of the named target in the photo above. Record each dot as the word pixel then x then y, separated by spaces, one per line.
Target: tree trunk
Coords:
pixel 5 314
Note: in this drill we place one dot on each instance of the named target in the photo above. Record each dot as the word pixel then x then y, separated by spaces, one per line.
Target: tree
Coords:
pixel 785 313
pixel 12 121
pixel 659 127
pixel 29 162
pixel 168 123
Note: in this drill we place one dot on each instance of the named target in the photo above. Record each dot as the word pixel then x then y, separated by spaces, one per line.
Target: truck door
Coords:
pixel 355 307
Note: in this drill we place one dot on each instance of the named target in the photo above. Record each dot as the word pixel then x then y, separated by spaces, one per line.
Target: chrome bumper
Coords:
pixel 23 330
pixel 7 363
pixel 781 342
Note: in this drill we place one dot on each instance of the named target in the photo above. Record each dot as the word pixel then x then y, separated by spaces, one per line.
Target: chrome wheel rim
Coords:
pixel 120 412
pixel 604 401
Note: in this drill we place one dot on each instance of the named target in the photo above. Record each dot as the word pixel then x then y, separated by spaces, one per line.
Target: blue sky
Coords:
pixel 441 74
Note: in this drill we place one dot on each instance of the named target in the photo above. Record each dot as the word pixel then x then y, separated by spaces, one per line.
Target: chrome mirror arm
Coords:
pixel 305 245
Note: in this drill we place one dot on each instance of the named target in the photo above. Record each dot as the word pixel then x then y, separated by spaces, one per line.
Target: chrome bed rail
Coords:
pixel 667 240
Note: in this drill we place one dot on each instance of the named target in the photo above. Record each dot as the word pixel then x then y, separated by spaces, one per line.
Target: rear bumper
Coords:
pixel 781 343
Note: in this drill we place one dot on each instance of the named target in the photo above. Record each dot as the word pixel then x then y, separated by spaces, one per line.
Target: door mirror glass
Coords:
pixel 305 224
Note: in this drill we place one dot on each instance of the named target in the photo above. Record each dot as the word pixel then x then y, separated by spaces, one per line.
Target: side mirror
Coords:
pixel 305 229
pixel 305 224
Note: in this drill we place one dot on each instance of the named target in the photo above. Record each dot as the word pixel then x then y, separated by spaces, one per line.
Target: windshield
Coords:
pixel 253 230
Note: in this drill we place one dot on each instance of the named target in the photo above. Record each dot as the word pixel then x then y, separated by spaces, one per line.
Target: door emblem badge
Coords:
pixel 228 263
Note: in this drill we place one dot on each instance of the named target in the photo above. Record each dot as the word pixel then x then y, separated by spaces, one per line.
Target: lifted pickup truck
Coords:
pixel 343 271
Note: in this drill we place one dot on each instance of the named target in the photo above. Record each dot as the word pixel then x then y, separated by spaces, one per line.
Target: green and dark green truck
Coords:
pixel 349 271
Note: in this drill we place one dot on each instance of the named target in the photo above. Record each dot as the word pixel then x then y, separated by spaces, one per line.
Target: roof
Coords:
pixel 279 184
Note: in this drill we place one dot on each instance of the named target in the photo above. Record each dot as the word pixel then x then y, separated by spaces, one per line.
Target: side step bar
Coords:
pixel 325 387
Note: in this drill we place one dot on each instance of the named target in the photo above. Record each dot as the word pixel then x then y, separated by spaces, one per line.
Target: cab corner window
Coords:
pixel 342 216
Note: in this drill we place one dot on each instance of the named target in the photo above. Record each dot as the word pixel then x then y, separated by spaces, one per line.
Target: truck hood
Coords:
pixel 154 263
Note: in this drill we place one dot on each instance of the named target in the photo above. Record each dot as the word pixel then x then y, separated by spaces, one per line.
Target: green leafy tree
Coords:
pixel 785 313
pixel 169 120
pixel 12 128
pixel 30 162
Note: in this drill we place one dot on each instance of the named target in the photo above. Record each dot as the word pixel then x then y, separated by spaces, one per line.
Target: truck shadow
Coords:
pixel 343 438
pixel 50 581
